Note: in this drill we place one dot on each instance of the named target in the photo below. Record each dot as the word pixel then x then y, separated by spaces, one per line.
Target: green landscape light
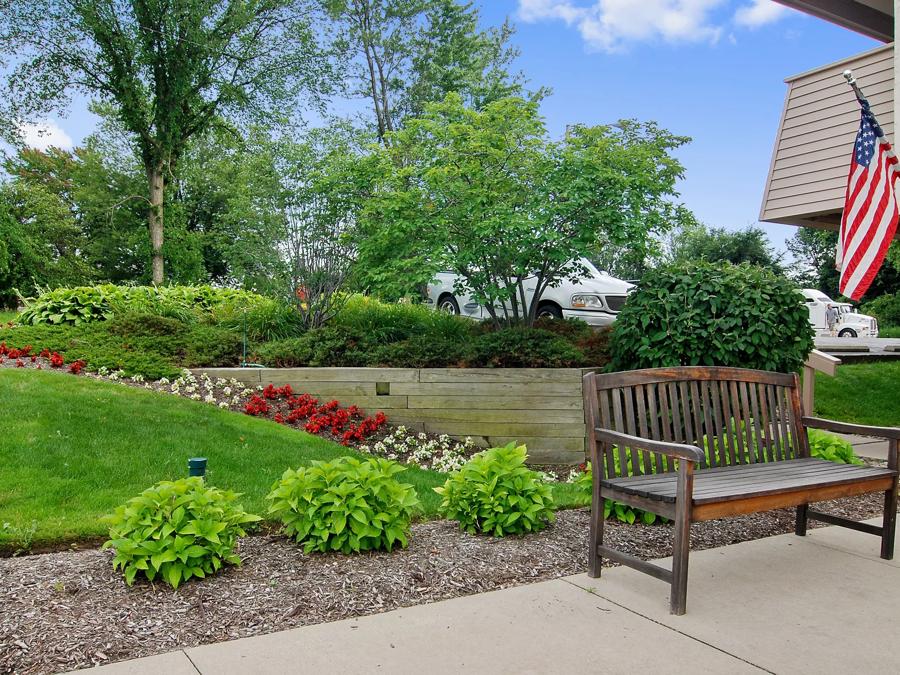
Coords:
pixel 197 466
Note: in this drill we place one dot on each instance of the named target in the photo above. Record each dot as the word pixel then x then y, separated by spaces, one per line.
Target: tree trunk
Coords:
pixel 155 179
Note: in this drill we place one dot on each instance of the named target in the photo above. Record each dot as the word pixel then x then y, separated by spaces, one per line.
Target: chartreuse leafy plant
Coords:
pixel 627 514
pixel 496 493
pixel 831 447
pixel 712 315
pixel 177 530
pixel 346 505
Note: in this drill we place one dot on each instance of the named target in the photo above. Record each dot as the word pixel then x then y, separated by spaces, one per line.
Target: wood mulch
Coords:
pixel 69 610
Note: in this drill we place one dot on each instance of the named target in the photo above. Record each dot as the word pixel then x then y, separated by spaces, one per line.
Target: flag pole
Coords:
pixel 848 75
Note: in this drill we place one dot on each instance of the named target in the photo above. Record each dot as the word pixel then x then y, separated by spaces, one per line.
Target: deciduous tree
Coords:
pixel 170 68
pixel 486 194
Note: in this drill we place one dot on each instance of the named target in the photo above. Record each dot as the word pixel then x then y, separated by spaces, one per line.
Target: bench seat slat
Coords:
pixel 742 482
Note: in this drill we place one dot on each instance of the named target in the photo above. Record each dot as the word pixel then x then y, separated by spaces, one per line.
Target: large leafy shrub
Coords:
pixel 494 492
pixel 177 530
pixel 346 505
pixel 712 314
pixel 83 304
pixel 885 308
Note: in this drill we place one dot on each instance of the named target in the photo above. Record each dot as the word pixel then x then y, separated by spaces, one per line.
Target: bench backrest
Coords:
pixel 738 416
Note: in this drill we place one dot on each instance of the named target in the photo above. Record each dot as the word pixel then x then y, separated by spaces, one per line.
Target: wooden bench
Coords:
pixel 697 443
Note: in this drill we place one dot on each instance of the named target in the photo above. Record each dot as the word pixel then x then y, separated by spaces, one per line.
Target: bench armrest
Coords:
pixel 689 453
pixel 890 433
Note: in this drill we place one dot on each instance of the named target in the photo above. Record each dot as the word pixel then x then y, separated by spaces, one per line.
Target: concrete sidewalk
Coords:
pixel 823 604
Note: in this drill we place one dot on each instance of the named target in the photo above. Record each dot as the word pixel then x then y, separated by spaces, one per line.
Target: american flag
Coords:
pixel 870 207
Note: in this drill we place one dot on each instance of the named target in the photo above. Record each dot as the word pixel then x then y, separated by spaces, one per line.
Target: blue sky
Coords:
pixel 709 69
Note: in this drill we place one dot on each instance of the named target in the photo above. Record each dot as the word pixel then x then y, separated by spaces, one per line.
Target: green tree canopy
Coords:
pixel 170 71
pixel 486 194
pixel 404 54
pixel 696 242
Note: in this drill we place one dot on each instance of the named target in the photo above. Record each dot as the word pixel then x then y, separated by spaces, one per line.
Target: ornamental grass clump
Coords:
pixel 495 493
pixel 177 530
pixel 346 505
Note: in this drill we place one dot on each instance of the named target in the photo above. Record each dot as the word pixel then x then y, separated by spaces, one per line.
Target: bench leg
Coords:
pixel 802 518
pixel 889 523
pixel 682 543
pixel 595 561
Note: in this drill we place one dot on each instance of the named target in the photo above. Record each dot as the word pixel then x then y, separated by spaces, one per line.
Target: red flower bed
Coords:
pixel 346 424
pixel 56 360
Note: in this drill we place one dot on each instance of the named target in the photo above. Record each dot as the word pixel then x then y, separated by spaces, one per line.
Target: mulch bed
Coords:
pixel 69 610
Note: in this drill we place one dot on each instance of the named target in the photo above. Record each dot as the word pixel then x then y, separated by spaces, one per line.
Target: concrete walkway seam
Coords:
pixel 671 628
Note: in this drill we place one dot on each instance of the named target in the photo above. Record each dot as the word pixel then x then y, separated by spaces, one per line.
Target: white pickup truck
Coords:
pixel 849 323
pixel 596 298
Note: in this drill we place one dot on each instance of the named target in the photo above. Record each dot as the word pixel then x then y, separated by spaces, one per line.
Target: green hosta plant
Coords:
pixel 831 447
pixel 346 505
pixel 177 530
pixel 494 492
pixel 584 482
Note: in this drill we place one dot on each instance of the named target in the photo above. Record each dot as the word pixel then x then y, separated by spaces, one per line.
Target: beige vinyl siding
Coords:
pixel 811 157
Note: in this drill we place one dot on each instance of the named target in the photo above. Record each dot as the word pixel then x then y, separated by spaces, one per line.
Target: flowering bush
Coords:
pixel 76 367
pixel 348 425
pixel 441 453
pixel 56 360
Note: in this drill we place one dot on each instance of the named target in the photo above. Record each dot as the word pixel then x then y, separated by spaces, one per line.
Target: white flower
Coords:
pixel 227 391
pixel 223 404
pixel 573 475
pixel 195 397
pixel 103 370
pixel 209 398
pixel 236 400
pixel 246 392
pixel 423 436
pixel 163 380
pixel 190 389
pixel 137 378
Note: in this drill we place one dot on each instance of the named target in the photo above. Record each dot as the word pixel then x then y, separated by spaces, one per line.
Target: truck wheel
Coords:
pixel 447 303
pixel 549 312
pixel 847 332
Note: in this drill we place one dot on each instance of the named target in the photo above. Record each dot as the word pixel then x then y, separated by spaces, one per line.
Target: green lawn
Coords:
pixel 71 449
pixel 864 393
pixel 889 332
pixel 6 316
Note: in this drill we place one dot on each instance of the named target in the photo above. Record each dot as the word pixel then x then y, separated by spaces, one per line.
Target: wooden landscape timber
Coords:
pixel 540 407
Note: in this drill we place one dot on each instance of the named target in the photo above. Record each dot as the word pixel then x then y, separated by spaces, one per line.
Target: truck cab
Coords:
pixel 849 322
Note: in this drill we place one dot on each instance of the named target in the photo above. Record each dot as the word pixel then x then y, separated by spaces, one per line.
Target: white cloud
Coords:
pixel 45 134
pixel 759 13
pixel 610 25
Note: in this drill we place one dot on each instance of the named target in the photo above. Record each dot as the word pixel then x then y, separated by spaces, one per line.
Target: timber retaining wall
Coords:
pixel 540 407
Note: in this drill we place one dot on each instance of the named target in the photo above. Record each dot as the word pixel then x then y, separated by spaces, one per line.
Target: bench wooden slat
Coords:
pixel 742 483
pixel 758 446
pixel 715 476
